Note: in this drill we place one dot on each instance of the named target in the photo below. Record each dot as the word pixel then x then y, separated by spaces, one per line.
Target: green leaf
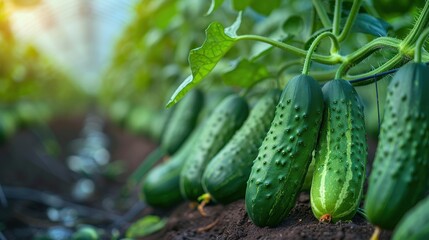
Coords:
pixel 219 41
pixel 368 24
pixel 245 74
pixel 294 25
pixel 240 5
pixel 265 7
pixel 214 5
pixel 146 226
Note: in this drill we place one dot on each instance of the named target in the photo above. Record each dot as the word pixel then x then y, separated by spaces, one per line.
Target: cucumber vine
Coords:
pixel 219 41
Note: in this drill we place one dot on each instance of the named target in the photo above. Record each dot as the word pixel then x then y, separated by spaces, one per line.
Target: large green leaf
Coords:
pixel 245 74
pixel 202 60
pixel 368 24
pixel 146 226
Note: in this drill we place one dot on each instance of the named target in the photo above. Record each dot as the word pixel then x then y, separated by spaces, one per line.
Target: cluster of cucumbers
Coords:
pixel 263 153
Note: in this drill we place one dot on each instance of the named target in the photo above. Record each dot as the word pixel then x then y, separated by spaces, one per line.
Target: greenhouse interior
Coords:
pixel 221 119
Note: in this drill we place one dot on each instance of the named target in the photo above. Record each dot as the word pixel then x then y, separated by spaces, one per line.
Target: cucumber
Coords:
pixel 145 166
pixel 161 188
pixel 227 117
pixel 340 156
pixel 183 121
pixel 226 175
pixel 279 169
pixel 400 170
pixel 415 224
pixel 306 186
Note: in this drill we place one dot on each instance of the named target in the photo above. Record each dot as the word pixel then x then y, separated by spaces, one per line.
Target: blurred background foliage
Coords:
pixel 127 57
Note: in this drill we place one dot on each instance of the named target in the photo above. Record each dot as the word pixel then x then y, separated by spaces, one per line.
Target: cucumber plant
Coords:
pixel 345 40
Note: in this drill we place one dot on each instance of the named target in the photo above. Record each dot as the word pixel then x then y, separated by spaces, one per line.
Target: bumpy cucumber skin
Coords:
pixel 182 121
pixel 341 152
pixel 226 175
pixel 161 186
pixel 228 116
pixel 415 224
pixel 279 169
pixel 400 170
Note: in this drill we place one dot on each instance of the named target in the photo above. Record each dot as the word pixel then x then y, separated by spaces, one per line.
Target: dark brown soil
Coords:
pixel 232 222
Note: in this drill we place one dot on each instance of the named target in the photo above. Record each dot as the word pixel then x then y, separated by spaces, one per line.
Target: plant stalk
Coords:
pixel 323 15
pixel 350 20
pixel 418 28
pixel 419 46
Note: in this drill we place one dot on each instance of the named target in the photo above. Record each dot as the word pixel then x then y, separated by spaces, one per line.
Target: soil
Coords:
pixel 184 222
pixel 231 222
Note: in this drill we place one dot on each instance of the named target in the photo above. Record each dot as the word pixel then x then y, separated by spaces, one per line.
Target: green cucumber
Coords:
pixel 145 166
pixel 227 117
pixel 183 121
pixel 340 156
pixel 226 175
pixel 279 169
pixel 306 186
pixel 415 224
pixel 161 186
pixel 400 170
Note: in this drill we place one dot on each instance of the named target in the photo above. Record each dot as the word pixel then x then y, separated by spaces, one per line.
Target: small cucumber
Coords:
pixel 279 169
pixel 227 117
pixel 226 175
pixel 161 186
pixel 340 156
pixel 415 224
pixel 183 121
pixel 400 171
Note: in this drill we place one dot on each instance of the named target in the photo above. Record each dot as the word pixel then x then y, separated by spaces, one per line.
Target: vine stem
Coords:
pixel 370 77
pixel 350 20
pixel 337 17
pixel 292 49
pixel 419 45
pixel 365 51
pixel 323 15
pixel 421 23
pixel 315 43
